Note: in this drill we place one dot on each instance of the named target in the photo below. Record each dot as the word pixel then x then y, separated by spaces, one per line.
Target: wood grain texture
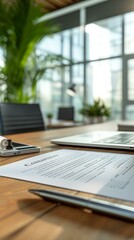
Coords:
pixel 26 216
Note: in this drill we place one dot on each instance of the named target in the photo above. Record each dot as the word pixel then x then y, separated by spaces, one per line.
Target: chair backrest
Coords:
pixel 19 118
pixel 66 113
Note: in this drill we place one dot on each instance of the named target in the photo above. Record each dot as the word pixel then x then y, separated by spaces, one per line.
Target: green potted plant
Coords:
pixel 96 112
pixel 49 117
pixel 19 34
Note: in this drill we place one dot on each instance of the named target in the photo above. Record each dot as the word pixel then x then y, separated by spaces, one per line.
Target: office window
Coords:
pixel 104 38
pixel 104 60
pixel 130 112
pixel 131 79
pixel 51 44
pixel 66 85
pixel 78 80
pixel 129 33
pixel 44 92
pixel 77 44
pixel 66 53
pixel 1 58
pixel 51 89
pixel 104 80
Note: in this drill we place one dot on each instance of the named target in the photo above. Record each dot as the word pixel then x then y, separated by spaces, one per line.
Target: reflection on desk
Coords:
pixel 63 124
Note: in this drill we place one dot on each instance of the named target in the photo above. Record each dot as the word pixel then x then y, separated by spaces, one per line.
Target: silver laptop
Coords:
pixel 100 139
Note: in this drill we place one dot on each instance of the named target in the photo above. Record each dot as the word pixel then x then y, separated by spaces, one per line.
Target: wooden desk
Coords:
pixel 25 216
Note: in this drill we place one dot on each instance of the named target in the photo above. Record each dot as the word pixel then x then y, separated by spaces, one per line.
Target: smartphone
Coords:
pixel 18 149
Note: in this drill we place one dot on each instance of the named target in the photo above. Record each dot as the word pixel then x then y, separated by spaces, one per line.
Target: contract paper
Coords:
pixel 106 174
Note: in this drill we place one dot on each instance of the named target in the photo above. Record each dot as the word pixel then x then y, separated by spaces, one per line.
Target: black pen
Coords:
pixel 97 205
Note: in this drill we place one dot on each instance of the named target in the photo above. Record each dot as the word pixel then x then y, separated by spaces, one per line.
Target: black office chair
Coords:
pixel 19 118
pixel 66 113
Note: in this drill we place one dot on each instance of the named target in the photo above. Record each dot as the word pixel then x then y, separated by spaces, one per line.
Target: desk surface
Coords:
pixel 26 216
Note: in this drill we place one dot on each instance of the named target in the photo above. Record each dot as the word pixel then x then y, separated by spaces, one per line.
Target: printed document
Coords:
pixel 106 174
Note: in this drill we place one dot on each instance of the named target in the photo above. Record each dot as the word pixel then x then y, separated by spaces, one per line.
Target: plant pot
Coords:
pixel 49 121
pixel 89 120
pixel 99 119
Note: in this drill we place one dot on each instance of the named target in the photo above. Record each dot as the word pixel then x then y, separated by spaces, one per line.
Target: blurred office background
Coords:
pixel 96 41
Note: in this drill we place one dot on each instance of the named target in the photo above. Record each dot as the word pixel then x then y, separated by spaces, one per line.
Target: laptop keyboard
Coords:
pixel 127 139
